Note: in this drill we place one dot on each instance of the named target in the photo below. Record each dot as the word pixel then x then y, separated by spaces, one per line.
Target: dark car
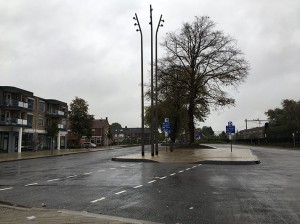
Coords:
pixel 89 145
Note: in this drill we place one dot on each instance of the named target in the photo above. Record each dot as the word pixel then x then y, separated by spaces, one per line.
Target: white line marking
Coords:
pixel 121 192
pixel 138 186
pixel 8 188
pixel 31 217
pixel 139 163
pixel 88 173
pixel 72 176
pixel 162 178
pixel 194 166
pixel 187 168
pixel 199 164
pixel 31 184
pixel 172 174
pixel 100 199
pixel 123 166
pixel 52 180
pixel 180 171
pixel 152 181
pixel 101 170
pixel 112 168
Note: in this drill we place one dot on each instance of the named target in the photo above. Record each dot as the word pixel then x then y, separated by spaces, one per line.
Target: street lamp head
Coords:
pixel 134 18
pixel 137 30
pixel 135 24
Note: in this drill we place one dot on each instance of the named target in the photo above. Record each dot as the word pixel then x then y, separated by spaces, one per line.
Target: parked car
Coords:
pixel 89 145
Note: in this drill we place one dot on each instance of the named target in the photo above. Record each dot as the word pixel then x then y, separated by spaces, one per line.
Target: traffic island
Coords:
pixel 210 155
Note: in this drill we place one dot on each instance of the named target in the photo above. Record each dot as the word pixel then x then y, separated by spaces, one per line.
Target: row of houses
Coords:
pixel 24 119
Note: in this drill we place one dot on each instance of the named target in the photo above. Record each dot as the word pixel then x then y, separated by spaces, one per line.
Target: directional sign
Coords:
pixel 230 129
pixel 166 127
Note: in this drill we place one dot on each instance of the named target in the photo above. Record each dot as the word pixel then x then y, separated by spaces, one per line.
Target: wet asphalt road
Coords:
pixel 166 193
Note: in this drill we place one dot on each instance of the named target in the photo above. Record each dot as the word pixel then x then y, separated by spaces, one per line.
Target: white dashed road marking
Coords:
pixel 101 170
pixel 121 192
pixel 112 168
pixel 31 184
pixel 88 173
pixel 137 186
pixel 152 181
pixel 172 174
pixel 8 188
pixel 100 199
pixel 187 168
pixel 180 171
pixel 162 178
pixel 53 180
pixel 72 176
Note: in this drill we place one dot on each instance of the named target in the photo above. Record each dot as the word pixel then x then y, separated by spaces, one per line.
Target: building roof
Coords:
pixel 100 123
pixel 13 89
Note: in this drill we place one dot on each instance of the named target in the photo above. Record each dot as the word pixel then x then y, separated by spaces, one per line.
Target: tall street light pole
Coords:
pixel 152 108
pixel 156 90
pixel 142 83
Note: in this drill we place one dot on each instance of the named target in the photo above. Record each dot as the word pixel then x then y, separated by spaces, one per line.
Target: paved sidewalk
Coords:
pixel 17 215
pixel 204 156
pixel 5 157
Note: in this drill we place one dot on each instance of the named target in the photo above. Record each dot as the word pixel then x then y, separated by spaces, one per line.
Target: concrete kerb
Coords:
pixel 19 214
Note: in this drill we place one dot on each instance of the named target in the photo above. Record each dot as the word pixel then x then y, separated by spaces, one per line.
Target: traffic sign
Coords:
pixel 230 129
pixel 229 123
pixel 166 127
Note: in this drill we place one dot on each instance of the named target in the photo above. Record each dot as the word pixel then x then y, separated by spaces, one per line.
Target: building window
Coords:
pixel 93 131
pixel 41 106
pixel 92 140
pixel 41 121
pixel 98 140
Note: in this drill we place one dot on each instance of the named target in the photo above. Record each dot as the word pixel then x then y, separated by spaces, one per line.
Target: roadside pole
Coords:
pixel 230 129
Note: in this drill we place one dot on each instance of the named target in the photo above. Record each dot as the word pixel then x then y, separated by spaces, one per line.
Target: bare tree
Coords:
pixel 199 63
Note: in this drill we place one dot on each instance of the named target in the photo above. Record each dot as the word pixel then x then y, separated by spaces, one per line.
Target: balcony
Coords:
pixel 15 122
pixel 15 104
pixel 56 113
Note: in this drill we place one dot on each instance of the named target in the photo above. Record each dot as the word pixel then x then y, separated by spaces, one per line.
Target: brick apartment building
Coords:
pixel 24 119
pixel 99 134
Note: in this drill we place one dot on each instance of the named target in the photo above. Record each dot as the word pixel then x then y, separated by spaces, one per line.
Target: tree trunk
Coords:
pixel 191 123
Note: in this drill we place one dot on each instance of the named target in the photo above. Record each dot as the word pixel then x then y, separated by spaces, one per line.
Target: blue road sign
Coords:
pixel 230 129
pixel 166 127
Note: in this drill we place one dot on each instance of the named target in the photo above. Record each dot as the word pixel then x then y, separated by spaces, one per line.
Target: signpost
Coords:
pixel 166 127
pixel 230 129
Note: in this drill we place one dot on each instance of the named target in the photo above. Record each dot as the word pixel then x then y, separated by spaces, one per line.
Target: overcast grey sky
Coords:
pixel 89 48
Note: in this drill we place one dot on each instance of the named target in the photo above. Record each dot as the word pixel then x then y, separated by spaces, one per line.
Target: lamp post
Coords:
pixel 156 91
pixel 152 108
pixel 142 83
